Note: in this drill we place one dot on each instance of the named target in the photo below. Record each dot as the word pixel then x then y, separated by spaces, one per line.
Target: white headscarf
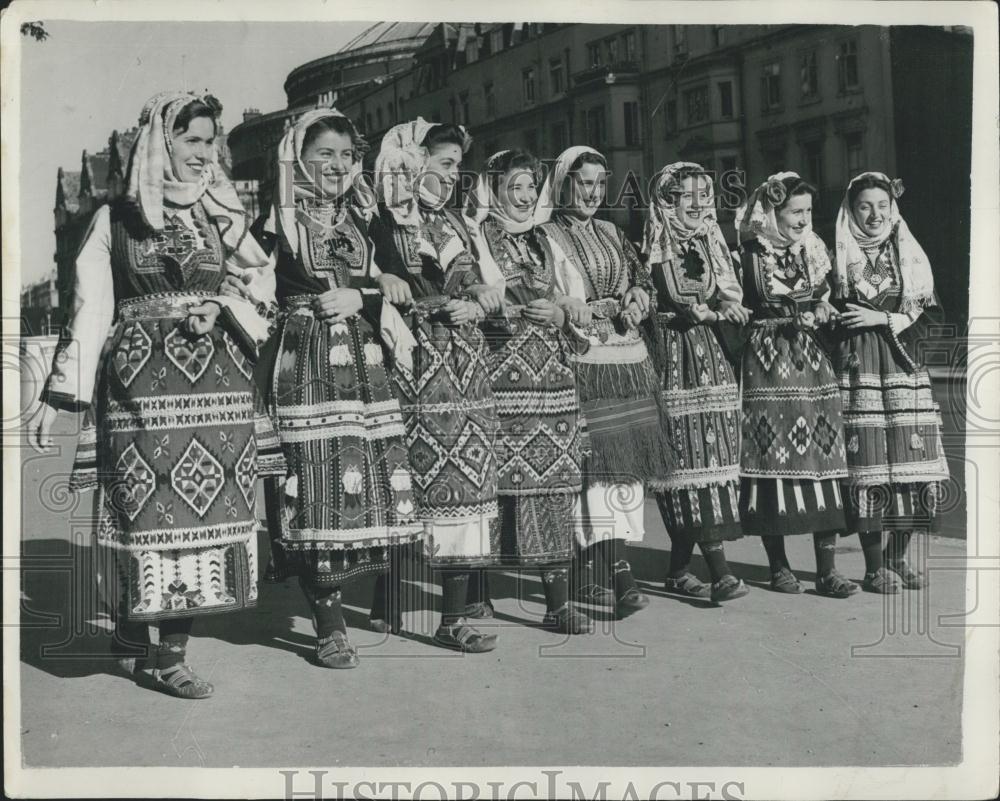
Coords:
pixel 756 219
pixel 914 266
pixel 282 219
pixel 548 198
pixel 664 231
pixel 401 159
pixel 151 180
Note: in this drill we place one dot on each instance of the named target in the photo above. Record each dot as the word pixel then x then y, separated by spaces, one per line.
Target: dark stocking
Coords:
pixel 173 641
pixel 555 581
pixel 871 545
pixel 327 610
pixel 455 589
pixel 715 557
pixel 681 549
pixel 621 570
pixel 479 587
pixel 776 557
pixel 825 546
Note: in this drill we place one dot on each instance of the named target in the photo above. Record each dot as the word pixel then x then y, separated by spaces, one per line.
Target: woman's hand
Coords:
pixel 544 312
pixel 806 321
pixel 201 318
pixel 40 427
pixel 825 312
pixel 459 311
pixel 487 296
pixel 735 312
pixel 632 315
pixel 337 305
pixel 638 296
pixel 234 286
pixel 700 314
pixel 857 317
pixel 576 310
pixel 395 289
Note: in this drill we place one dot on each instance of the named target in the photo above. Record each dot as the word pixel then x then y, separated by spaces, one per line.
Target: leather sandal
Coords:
pixel 911 579
pixel 728 588
pixel 630 603
pixel 688 585
pixel 595 595
pixel 181 682
pixel 567 620
pixel 336 652
pixel 481 610
pixel 881 581
pixel 834 585
pixel 784 581
pixel 461 637
pixel 383 626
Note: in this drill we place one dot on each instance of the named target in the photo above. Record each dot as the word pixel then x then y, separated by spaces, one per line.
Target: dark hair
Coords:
pixel 868 182
pixel 670 191
pixel 210 108
pixel 338 125
pixel 587 158
pixel 796 186
pixel 516 159
pixel 445 134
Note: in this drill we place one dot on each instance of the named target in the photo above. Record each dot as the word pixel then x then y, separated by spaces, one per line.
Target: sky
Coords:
pixel 88 79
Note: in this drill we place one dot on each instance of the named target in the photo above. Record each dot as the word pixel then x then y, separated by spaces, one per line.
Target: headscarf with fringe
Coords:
pixel 550 196
pixel 665 233
pixel 852 241
pixel 284 210
pixel 756 219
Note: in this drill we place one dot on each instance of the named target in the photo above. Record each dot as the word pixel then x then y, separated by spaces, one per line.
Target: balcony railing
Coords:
pixel 602 72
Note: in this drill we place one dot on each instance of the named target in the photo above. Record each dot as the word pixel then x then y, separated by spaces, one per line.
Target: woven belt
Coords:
pixel 161 305
pixel 773 322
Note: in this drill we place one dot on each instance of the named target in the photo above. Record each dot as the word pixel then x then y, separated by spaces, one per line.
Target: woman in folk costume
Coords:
pixel 793 456
pixel 348 502
pixel 596 266
pixel 540 448
pixel 883 280
pixel 173 438
pixel 427 261
pixel 696 287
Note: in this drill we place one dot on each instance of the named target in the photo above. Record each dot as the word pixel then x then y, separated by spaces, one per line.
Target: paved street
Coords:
pixel 766 680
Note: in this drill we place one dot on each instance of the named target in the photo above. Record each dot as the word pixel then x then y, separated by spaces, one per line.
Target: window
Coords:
pixel 559 138
pixel 496 40
pixel 670 117
pixel 726 100
pixel 812 159
pixel 629 42
pixel 611 47
pixel 556 75
pixel 388 113
pixel 594 125
pixel 378 118
pixel 463 105
pixel 774 158
pixel 631 123
pixel 528 84
pixel 594 54
pixel 808 76
pixel 847 66
pixel 718 35
pixel 530 139
pixel 491 100
pixel 770 86
pixel 680 40
pixel 855 145
pixel 696 105
pixel 472 50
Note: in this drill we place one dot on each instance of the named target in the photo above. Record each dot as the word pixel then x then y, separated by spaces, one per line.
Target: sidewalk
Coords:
pixel 767 680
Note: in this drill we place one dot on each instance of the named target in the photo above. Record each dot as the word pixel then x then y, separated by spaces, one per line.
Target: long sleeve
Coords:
pixel 74 367
pixel 899 322
pixel 250 316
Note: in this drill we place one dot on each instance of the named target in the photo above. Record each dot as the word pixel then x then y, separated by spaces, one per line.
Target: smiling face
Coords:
pixel 192 149
pixel 872 210
pixel 328 158
pixel 795 217
pixel 441 171
pixel 518 194
pixel 587 187
pixel 693 201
